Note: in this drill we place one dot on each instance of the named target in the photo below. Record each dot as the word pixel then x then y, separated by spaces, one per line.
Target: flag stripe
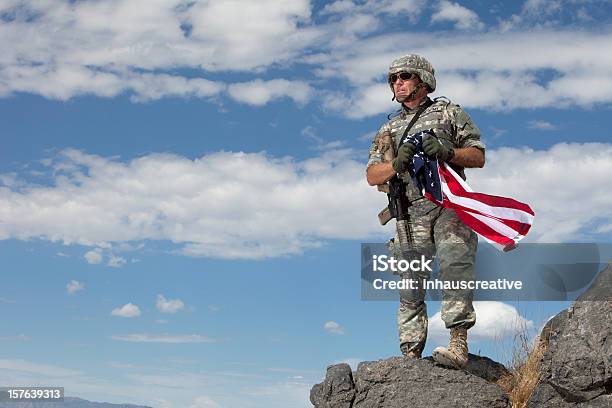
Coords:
pixel 485 231
pixel 495 230
pixel 518 227
pixel 514 218
pixel 499 220
pixel 494 201
pixel 497 226
pixel 497 212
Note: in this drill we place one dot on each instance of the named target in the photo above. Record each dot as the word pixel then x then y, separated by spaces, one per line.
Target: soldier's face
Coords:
pixel 403 88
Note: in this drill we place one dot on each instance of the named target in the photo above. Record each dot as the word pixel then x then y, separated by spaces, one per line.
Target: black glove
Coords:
pixel 404 157
pixel 434 148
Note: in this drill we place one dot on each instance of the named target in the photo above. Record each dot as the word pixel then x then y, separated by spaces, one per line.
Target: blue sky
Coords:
pixel 182 192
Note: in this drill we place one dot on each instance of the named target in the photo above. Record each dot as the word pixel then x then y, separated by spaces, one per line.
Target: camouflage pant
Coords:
pixel 437 231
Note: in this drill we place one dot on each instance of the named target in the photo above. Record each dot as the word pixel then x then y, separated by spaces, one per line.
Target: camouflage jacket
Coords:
pixel 451 124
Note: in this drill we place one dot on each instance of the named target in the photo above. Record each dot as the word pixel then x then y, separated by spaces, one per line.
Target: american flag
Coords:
pixel 501 221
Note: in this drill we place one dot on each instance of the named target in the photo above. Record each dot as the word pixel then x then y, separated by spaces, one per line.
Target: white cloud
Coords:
pixel 65 82
pixel 260 92
pixel 494 322
pixel 271 207
pixel 127 310
pixel 559 68
pixel 339 6
pixel 169 305
pixel 164 338
pixel 366 101
pixel 359 24
pixel 110 47
pixel 493 90
pixel 412 8
pixel 74 286
pixel 553 13
pixel 149 87
pixel 333 328
pixel 464 18
pixel 204 402
pixel 116 261
pixel 541 125
pixel 94 256
pixel 320 143
pixel 267 207
pixel 62 49
pixel 541 6
pixel 121 33
pixel 271 33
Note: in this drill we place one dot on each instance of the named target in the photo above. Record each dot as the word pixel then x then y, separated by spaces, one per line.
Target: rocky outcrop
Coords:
pixel 399 383
pixel 338 389
pixel 577 366
pixel 576 369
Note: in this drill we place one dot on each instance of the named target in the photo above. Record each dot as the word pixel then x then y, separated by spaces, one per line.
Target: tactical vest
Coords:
pixel 437 117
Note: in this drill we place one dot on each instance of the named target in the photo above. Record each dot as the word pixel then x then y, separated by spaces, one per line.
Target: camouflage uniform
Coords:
pixel 435 230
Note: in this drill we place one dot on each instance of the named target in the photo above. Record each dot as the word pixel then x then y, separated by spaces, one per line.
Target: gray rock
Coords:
pixel 547 396
pixel 485 368
pixel 577 366
pixel 601 288
pixel 338 389
pixel 554 326
pixel 400 383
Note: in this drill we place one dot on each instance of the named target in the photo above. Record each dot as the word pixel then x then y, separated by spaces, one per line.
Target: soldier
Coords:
pixel 434 229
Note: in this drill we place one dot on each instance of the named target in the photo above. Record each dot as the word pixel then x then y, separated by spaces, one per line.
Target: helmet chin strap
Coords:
pixel 411 96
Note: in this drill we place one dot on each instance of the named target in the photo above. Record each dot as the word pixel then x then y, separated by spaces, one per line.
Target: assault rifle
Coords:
pixel 398 201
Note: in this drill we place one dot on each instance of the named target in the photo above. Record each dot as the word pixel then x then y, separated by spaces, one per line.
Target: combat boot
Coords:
pixel 456 355
pixel 409 351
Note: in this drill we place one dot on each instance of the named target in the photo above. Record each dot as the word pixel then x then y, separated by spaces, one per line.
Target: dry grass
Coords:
pixel 524 367
pixel 523 378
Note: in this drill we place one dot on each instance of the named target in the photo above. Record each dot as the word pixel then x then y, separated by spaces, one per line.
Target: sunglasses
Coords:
pixel 405 76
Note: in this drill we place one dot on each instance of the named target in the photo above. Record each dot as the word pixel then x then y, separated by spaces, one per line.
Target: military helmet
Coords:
pixel 416 64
